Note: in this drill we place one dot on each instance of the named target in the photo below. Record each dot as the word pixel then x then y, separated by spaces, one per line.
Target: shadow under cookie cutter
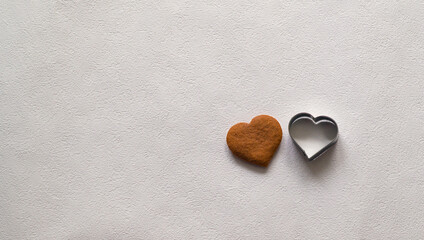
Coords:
pixel 301 126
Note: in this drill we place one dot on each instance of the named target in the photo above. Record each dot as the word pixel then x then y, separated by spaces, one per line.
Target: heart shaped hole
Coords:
pixel 312 136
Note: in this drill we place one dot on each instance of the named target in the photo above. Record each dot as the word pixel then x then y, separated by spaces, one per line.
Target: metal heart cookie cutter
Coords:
pixel 313 136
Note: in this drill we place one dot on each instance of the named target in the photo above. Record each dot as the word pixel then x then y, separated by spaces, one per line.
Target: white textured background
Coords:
pixel 113 118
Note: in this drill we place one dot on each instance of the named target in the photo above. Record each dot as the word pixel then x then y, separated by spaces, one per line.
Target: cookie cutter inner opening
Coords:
pixel 313 136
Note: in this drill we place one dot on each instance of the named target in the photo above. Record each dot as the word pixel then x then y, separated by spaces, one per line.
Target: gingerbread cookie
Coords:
pixel 256 141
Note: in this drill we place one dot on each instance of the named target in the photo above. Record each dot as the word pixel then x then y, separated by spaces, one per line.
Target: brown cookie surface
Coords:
pixel 256 141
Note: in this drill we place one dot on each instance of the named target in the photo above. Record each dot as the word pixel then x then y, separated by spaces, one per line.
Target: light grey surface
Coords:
pixel 114 114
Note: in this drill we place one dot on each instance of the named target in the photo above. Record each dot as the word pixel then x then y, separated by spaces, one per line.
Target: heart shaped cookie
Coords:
pixel 256 141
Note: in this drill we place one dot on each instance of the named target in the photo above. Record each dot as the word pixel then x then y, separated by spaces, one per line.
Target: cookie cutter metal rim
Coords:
pixel 315 120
